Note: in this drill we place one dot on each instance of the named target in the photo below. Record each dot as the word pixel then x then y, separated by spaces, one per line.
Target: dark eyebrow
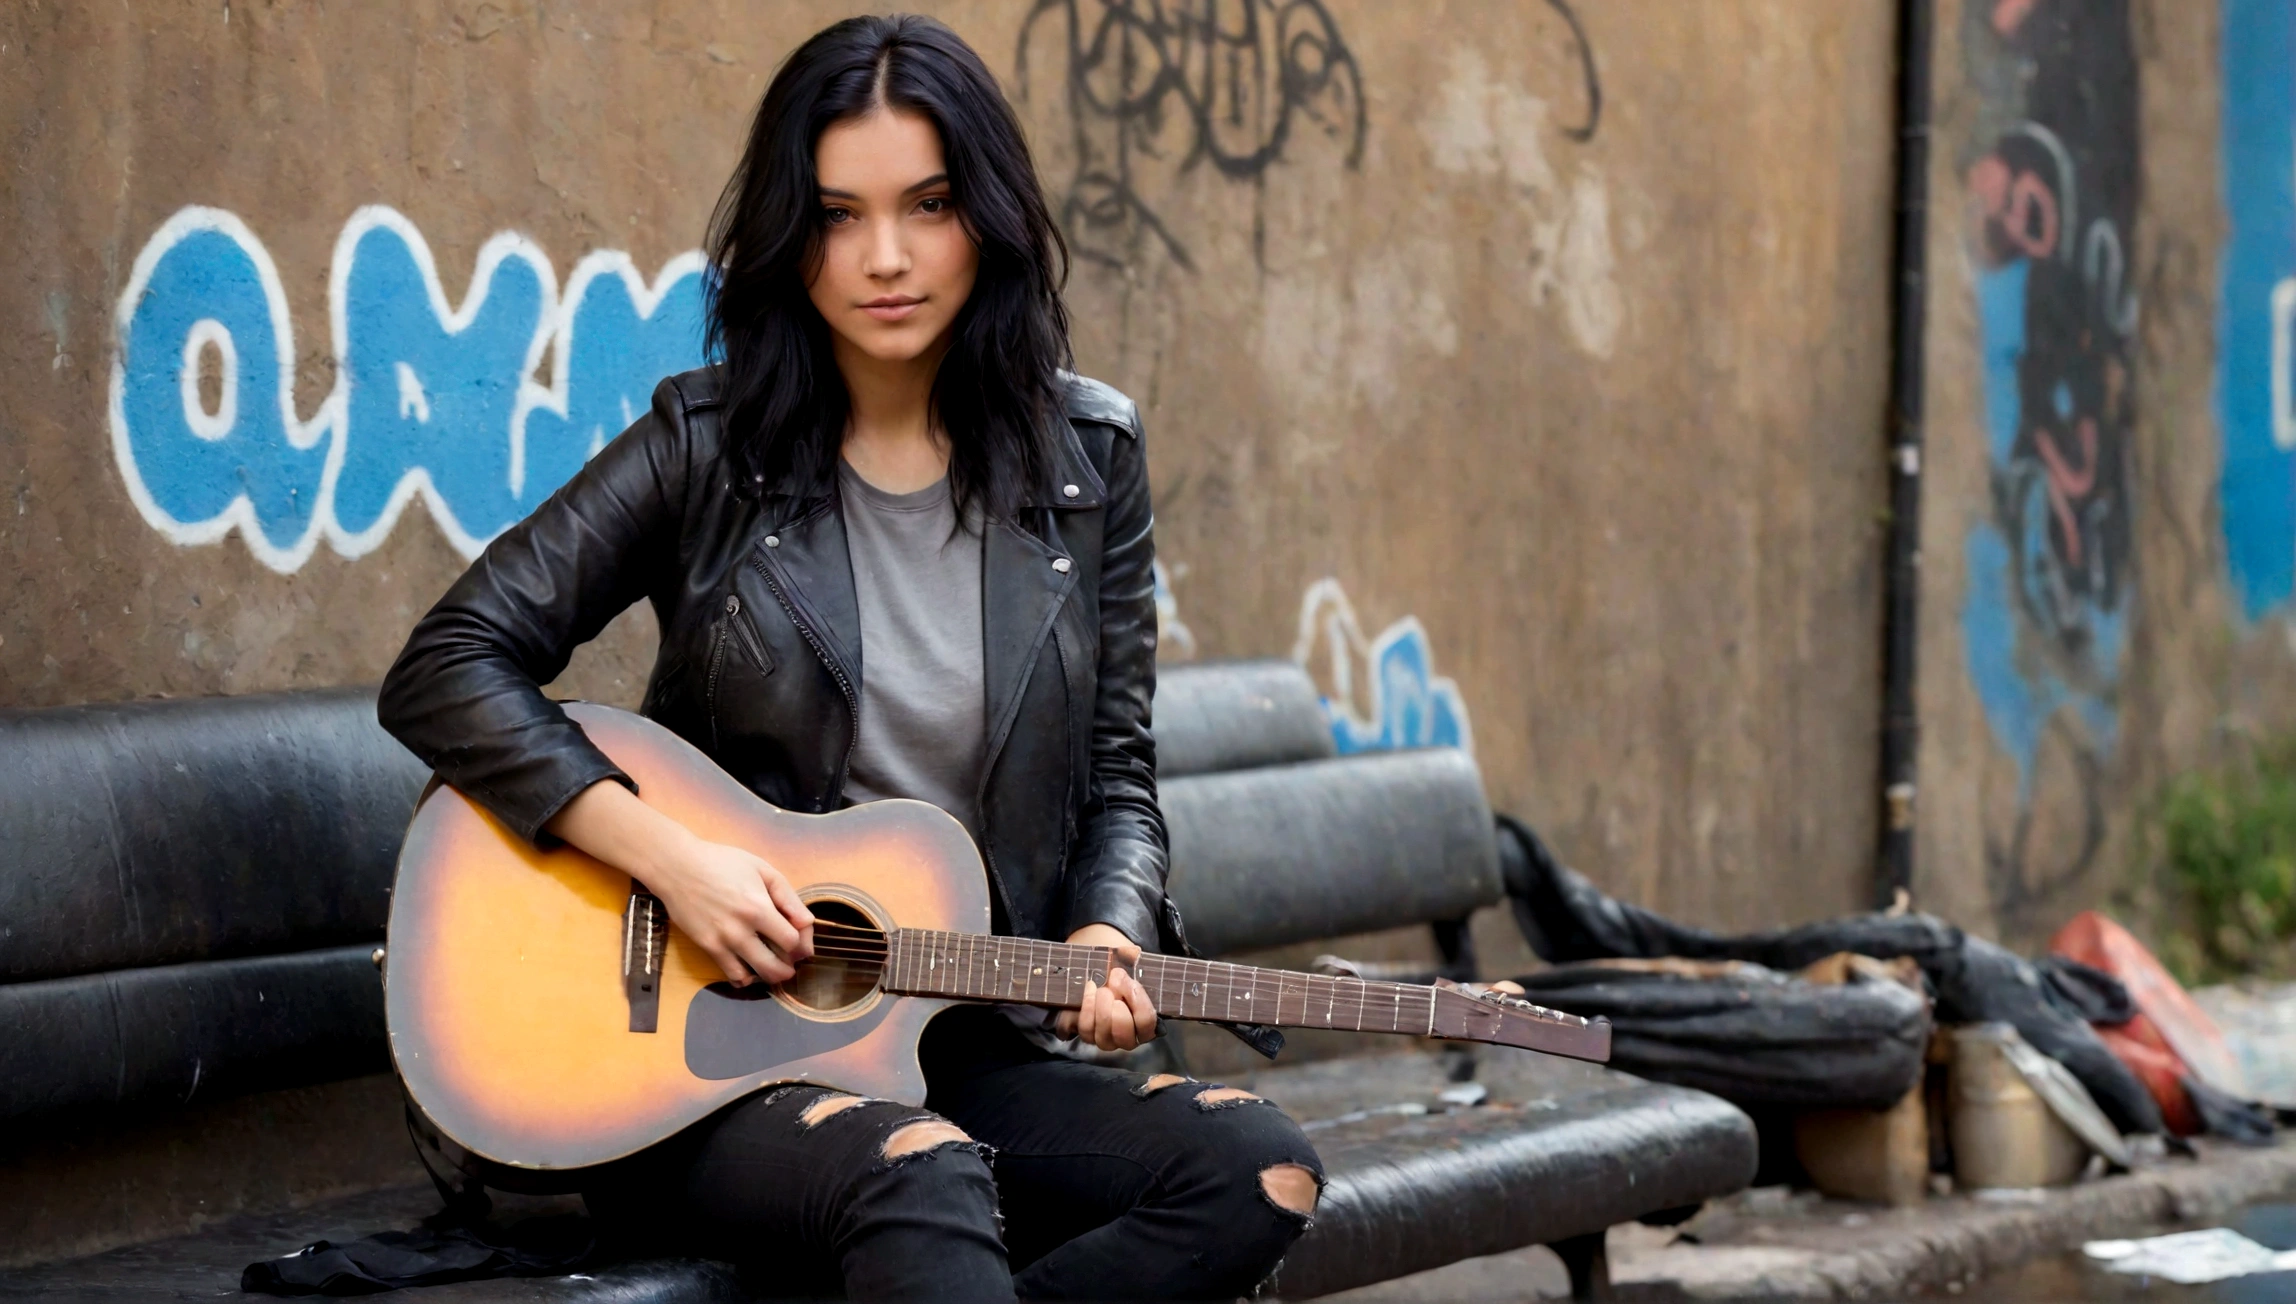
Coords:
pixel 937 179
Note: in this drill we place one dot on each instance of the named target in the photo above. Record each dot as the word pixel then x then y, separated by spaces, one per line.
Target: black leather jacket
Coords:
pixel 761 658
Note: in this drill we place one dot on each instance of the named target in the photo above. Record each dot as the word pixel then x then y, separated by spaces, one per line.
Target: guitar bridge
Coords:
pixel 645 936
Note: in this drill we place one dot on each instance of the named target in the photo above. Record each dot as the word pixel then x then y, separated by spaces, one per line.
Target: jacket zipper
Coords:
pixel 844 685
pixel 717 661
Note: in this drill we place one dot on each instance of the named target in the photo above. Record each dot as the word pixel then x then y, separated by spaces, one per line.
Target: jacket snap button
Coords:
pixel 1070 490
pixel 1060 564
pixel 773 541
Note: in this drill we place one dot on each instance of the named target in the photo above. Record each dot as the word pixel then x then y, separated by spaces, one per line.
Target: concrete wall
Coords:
pixel 1518 366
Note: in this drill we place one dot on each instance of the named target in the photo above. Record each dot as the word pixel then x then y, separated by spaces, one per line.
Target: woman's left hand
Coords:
pixel 1118 1016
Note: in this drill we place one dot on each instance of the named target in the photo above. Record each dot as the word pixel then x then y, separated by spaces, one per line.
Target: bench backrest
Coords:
pixel 1277 839
pixel 191 888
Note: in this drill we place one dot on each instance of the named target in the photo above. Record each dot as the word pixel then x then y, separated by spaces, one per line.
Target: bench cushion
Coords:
pixel 151 833
pixel 1235 715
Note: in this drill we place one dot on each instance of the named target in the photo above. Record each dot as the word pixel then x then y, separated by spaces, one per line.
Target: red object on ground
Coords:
pixel 2138 1044
pixel 2173 1036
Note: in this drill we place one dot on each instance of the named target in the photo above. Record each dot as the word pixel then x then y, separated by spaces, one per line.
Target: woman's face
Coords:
pixel 896 264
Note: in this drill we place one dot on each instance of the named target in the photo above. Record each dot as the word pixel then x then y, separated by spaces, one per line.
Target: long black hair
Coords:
pixel 998 388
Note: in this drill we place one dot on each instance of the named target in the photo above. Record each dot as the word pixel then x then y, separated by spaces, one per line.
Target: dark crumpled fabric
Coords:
pixel 2223 1114
pixel 2085 991
pixel 1564 917
pixel 440 1249
pixel 1756 1039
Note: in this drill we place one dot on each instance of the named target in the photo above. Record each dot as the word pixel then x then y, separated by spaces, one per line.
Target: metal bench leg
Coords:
pixel 1455 942
pixel 1588 1263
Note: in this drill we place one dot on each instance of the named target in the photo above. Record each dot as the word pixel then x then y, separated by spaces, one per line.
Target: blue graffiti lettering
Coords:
pixel 204 289
pixel 2257 294
pixel 425 387
pixel 621 344
pixel 429 402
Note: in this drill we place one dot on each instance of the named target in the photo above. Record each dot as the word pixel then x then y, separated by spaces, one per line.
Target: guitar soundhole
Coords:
pixel 848 961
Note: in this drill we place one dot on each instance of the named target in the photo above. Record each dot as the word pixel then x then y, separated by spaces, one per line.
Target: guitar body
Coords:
pixel 505 992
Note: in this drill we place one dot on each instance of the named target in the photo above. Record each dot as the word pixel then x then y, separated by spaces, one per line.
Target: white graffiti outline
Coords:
pixel 2283 338
pixel 2068 190
pixel 554 328
pixel 1345 634
pixel 204 424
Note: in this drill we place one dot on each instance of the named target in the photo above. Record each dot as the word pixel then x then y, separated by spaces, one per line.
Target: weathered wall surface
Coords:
pixel 2108 529
pixel 1518 366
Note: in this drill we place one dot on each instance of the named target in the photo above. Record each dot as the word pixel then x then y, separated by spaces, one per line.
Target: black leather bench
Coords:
pixel 193 891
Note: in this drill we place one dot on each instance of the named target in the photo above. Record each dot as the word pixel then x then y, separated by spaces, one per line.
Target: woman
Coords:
pixel 894 551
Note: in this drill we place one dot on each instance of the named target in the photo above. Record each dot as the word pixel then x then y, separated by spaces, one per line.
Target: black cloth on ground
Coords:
pixel 1564 918
pixel 1755 1039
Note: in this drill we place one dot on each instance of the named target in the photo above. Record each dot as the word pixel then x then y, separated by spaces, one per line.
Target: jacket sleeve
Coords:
pixel 1118 874
pixel 466 693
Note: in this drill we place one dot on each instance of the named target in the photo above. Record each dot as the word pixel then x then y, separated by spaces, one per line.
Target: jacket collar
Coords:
pixel 1069 467
pixel 1025 577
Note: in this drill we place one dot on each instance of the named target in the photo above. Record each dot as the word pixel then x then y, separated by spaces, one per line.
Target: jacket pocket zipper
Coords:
pixel 745 634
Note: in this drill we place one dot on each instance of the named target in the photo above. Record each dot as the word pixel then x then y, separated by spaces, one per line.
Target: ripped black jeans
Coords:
pixel 1110 1185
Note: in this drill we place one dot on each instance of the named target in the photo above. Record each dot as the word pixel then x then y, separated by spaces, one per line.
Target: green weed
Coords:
pixel 2227 843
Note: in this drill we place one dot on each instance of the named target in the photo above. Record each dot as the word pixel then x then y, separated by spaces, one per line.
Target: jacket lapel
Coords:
pixel 1022 587
pixel 1024 579
pixel 810 562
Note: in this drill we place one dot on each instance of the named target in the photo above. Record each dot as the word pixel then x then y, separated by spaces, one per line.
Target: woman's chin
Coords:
pixel 892 348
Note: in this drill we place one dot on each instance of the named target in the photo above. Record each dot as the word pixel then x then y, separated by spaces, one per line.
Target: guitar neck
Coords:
pixel 1025 971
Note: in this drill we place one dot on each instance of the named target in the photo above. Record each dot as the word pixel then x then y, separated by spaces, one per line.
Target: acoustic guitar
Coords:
pixel 544 1014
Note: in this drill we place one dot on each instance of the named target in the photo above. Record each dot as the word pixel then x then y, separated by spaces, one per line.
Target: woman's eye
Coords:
pixel 836 216
pixel 936 204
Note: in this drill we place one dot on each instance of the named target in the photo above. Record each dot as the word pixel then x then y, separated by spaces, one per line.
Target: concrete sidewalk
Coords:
pixel 1771 1244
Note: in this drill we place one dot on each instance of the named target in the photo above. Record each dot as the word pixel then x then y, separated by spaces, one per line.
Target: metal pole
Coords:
pixel 1900 730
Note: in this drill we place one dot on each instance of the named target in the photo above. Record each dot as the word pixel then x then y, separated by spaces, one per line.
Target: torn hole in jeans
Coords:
pixel 926 1136
pixel 1226 1098
pixel 1280 1184
pixel 828 1107
pixel 1159 1083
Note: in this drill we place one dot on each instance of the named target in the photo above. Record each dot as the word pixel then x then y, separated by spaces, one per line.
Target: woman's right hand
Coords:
pixel 730 903
pixel 736 907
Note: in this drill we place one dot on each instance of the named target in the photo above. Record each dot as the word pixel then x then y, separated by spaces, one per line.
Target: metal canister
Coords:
pixel 2004 1133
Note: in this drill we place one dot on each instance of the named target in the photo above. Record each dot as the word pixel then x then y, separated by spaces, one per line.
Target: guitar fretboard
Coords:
pixel 1024 971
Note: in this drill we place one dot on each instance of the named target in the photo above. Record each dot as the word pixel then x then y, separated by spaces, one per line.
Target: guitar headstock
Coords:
pixel 1467 1012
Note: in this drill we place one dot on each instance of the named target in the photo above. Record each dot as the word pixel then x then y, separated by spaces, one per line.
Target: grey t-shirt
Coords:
pixel 924 706
pixel 924 695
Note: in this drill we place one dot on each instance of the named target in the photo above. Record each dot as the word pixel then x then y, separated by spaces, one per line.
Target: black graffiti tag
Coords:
pixel 1237 79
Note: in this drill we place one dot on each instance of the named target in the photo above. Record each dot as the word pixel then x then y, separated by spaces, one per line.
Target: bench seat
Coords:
pixel 1556 1150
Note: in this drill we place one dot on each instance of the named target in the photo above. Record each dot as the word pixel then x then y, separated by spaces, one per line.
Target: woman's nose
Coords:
pixel 887 255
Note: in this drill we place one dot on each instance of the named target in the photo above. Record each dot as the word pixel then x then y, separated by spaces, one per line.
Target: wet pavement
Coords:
pixel 2075 1277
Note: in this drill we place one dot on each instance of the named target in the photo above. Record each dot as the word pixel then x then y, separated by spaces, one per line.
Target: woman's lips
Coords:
pixel 892 309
